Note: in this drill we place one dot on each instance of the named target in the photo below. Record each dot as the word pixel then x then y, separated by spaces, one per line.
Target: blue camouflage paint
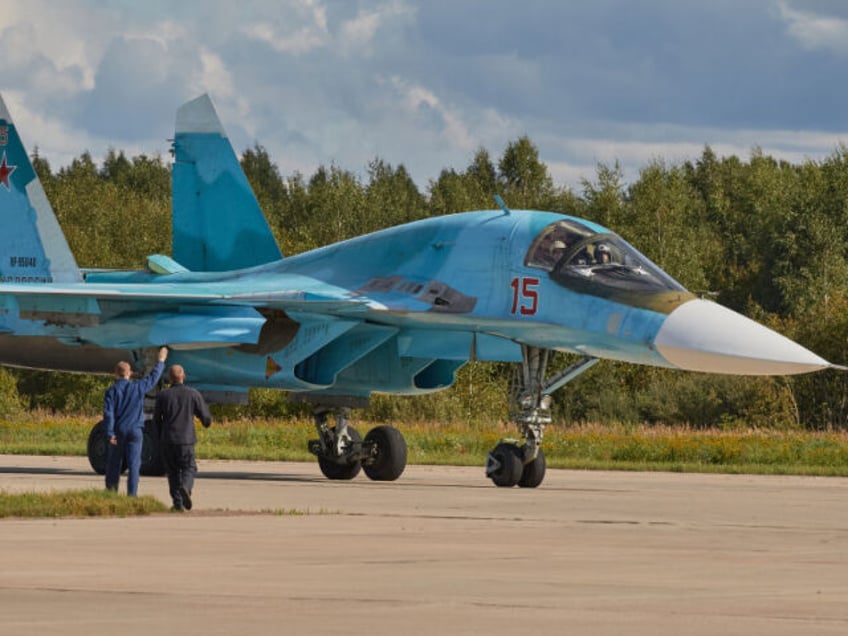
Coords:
pixel 217 222
pixel 32 246
pixel 398 311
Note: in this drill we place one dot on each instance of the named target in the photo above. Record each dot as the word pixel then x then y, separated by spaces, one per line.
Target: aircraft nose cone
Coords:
pixel 704 336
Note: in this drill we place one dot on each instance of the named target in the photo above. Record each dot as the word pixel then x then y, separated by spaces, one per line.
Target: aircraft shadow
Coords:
pixel 201 474
pixel 256 476
pixel 222 475
pixel 320 479
pixel 25 470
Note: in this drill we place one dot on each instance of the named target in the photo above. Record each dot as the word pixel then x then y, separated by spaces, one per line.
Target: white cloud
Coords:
pixel 427 84
pixel 303 40
pixel 163 33
pixel 814 31
pixel 72 34
pixel 360 31
pixel 304 30
pixel 635 146
pixel 215 78
pixel 416 100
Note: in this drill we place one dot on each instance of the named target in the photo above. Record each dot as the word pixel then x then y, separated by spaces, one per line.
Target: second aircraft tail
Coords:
pixel 217 222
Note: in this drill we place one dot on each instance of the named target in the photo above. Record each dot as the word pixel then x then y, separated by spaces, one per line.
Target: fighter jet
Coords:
pixel 397 311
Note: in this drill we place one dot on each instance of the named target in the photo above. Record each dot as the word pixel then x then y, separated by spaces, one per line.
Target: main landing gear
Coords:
pixel 342 452
pixel 522 462
pixel 98 449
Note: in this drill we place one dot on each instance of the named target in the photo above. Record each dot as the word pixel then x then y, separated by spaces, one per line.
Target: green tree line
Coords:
pixel 762 236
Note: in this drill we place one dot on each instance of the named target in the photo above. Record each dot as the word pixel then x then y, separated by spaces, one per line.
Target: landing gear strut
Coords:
pixel 342 452
pixel 522 462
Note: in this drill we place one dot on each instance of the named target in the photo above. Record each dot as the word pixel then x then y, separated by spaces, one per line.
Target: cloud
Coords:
pixel 64 33
pixel 136 84
pixel 423 105
pixel 427 84
pixel 816 30
pixel 302 40
pixel 57 142
pixel 575 158
pixel 24 67
pixel 388 21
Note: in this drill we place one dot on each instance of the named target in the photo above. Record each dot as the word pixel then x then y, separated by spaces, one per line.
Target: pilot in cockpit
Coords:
pixel 603 256
pixel 597 263
pixel 555 251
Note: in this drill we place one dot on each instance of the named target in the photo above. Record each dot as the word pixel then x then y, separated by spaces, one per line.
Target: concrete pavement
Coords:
pixel 439 551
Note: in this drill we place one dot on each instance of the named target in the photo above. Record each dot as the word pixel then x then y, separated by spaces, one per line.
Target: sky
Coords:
pixel 427 84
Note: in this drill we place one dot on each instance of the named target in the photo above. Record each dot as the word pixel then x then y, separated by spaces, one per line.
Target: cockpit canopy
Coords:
pixel 601 264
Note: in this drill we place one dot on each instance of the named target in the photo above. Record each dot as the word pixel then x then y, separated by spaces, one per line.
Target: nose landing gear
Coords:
pixel 522 462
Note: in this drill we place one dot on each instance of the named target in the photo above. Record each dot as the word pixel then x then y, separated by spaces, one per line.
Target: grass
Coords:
pixel 591 446
pixel 76 503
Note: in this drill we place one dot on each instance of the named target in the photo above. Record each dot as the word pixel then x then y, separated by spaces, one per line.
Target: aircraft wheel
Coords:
pixel 510 466
pixel 98 449
pixel 390 458
pixel 341 469
pixel 534 472
pixel 151 457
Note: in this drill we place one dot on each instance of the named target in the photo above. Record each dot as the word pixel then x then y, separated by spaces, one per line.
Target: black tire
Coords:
pixel 98 448
pixel 390 460
pixel 341 471
pixel 511 466
pixel 151 457
pixel 534 472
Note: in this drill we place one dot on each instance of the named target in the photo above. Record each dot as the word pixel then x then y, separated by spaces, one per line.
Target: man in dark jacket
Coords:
pixel 123 417
pixel 173 416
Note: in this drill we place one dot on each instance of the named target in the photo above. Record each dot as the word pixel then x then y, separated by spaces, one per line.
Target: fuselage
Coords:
pixel 400 310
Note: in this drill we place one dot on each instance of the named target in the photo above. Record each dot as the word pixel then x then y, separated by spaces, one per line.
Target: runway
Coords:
pixel 441 551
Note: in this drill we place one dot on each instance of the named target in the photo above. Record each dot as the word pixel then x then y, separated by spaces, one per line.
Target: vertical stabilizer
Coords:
pixel 217 222
pixel 32 246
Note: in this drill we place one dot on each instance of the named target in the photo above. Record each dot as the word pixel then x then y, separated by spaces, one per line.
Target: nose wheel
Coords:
pixel 522 462
pixel 533 472
pixel 504 465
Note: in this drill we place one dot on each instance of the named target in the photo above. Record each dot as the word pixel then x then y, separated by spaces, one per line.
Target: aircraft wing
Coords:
pixel 194 315
pixel 185 315
pixel 215 293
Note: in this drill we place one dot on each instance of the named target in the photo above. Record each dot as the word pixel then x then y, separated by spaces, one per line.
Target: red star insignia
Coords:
pixel 5 172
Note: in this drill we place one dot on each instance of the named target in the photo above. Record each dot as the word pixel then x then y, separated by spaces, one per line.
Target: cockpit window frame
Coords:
pixel 582 265
pixel 544 253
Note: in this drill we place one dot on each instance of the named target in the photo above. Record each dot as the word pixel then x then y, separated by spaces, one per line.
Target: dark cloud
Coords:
pixel 427 83
pixel 826 8
pixel 135 88
pixel 705 64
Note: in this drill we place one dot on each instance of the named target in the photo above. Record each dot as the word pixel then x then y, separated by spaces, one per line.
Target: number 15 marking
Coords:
pixel 525 296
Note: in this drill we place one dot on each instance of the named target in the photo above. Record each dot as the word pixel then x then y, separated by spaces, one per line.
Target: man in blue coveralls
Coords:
pixel 123 416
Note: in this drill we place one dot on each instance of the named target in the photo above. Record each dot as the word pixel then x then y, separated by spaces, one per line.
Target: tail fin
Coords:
pixel 32 246
pixel 217 222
